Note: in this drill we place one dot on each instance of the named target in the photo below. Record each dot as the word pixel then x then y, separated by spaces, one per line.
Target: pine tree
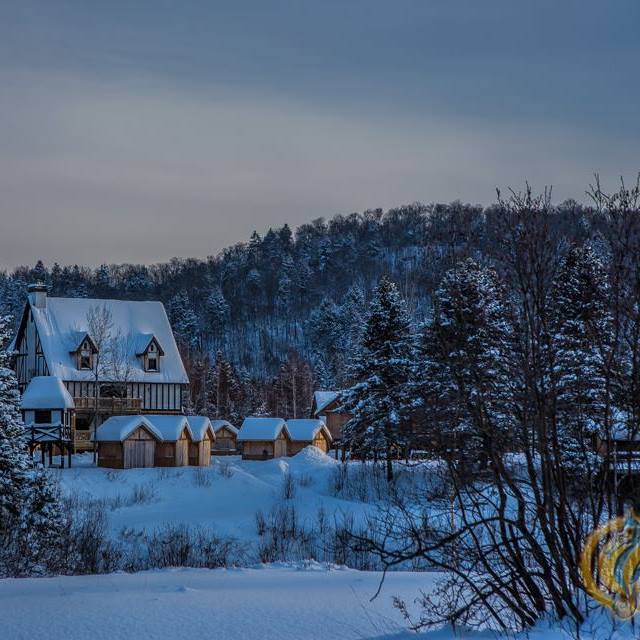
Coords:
pixel 463 375
pixel 31 520
pixel 378 399
pixel 183 320
pixel 581 339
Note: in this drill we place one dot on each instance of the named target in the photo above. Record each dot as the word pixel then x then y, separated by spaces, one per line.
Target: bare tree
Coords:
pixel 99 327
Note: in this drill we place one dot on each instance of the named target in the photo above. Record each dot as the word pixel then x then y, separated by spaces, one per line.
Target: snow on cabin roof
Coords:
pixel 323 399
pixel 165 427
pixel 199 426
pixel 306 430
pixel 46 392
pixel 63 320
pixel 223 424
pixel 119 428
pixel 171 426
pixel 261 428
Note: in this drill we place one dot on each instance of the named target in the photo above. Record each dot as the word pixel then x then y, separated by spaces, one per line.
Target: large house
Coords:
pixel 114 357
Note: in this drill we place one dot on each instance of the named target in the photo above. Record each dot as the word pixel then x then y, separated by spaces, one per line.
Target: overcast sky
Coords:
pixel 138 131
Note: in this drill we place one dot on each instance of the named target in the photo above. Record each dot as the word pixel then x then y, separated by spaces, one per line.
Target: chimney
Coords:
pixel 38 295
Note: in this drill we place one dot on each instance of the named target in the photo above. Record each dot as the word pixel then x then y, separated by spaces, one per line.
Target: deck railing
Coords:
pixel 108 405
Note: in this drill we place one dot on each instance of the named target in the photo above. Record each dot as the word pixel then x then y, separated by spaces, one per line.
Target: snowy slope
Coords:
pixel 227 503
pixel 251 604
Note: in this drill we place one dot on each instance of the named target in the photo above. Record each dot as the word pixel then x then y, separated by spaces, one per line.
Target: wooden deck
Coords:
pixel 109 405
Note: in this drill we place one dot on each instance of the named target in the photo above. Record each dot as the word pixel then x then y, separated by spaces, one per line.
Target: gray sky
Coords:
pixel 138 131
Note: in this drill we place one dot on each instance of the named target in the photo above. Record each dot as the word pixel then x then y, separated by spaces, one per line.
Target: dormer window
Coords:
pixel 84 352
pixel 151 354
pixel 85 356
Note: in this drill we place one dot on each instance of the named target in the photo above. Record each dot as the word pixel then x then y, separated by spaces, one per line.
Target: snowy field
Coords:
pixel 224 497
pixel 303 600
pixel 261 604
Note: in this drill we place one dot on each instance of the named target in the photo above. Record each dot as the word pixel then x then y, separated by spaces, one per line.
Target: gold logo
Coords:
pixel 610 564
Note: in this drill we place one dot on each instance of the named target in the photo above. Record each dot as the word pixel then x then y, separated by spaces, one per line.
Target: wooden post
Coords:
pixel 50 454
pixel 69 456
pixel 42 453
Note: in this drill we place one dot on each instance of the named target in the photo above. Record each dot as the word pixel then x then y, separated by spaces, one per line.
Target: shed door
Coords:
pixel 182 453
pixel 204 453
pixel 280 447
pixel 138 453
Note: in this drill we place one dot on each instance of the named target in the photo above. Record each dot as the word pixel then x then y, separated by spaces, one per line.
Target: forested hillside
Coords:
pixel 265 321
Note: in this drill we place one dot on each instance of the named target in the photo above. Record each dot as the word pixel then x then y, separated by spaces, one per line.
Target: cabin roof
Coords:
pixel 119 428
pixel 165 427
pixel 63 320
pixel 46 392
pixel 171 426
pixel 305 430
pixel 199 426
pixel 261 429
pixel 323 399
pixel 224 424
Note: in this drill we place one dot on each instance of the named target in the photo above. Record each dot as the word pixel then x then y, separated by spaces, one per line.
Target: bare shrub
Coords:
pixel 142 494
pixel 224 469
pixel 288 486
pixel 304 480
pixel 202 477
pixel 182 546
pixel 261 523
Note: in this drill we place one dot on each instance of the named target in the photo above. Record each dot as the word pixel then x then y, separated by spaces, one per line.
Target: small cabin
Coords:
pixel 48 412
pixel 126 442
pixel 204 438
pixel 306 433
pixel 177 437
pixel 326 407
pixel 226 438
pixel 263 438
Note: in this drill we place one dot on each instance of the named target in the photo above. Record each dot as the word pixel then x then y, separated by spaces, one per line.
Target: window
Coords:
pixel 42 417
pixel 152 362
pixel 86 356
pixel 83 422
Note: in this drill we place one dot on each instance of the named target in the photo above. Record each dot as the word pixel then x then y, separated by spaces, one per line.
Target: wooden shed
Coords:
pixel 306 433
pixel 203 440
pixel 226 438
pixel 125 442
pixel 326 407
pixel 176 438
pixel 263 438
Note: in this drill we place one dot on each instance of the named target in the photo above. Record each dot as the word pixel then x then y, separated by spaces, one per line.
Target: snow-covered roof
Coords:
pixel 223 424
pixel 323 399
pixel 119 428
pixel 199 426
pixel 63 321
pixel 166 427
pixel 46 392
pixel 171 426
pixel 306 430
pixel 261 428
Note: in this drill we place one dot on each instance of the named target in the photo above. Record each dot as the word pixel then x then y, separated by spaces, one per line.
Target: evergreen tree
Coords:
pixel 217 313
pixel 183 320
pixel 581 342
pixel 31 520
pixel 378 399
pixel 464 377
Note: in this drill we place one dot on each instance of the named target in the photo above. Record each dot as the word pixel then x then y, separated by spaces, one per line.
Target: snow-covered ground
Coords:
pixel 247 604
pixel 297 601
pixel 224 497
